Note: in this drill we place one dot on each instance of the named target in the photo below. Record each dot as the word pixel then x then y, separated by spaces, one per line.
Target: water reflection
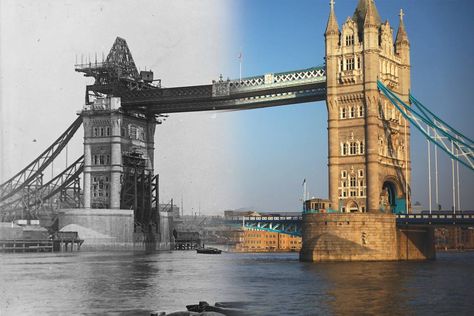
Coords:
pixel 365 287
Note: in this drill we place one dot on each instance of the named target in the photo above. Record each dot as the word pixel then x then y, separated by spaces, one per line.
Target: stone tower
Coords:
pixel 118 156
pixel 369 154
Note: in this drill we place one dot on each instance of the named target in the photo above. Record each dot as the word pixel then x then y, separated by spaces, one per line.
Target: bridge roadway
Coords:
pixel 299 86
pixel 291 225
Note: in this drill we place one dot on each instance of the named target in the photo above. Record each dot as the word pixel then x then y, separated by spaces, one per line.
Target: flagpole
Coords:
pixel 240 66
pixel 240 70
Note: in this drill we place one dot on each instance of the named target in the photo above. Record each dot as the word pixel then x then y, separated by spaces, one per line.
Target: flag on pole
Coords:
pixel 304 181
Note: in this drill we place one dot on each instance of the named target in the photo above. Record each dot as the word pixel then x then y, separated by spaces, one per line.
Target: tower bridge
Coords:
pixel 365 82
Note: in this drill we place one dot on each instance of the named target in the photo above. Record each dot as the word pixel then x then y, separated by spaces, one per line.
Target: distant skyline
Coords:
pixel 254 159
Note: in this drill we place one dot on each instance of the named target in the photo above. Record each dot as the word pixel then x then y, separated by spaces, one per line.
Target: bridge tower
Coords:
pixel 119 146
pixel 369 153
pixel 118 156
pixel 369 164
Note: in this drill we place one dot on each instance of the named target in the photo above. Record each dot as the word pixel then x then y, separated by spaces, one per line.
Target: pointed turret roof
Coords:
pixel 401 34
pixel 361 11
pixel 332 26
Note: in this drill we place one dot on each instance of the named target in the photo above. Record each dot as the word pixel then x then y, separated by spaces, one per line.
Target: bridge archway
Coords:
pixel 391 198
pixel 352 207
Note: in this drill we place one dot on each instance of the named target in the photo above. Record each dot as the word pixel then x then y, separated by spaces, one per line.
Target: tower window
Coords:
pixel 353 149
pixel 361 148
pixel 344 149
pixel 361 111
pixel 358 62
pixel 350 63
pixel 352 112
pixel 343 113
pixel 343 174
pixel 349 40
pixel 353 182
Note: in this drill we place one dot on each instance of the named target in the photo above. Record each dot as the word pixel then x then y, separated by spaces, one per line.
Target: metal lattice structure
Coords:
pixel 121 61
pixel 116 74
pixel 289 225
pixel 34 197
pixel 458 146
pixel 139 191
pixel 35 169
pixel 272 89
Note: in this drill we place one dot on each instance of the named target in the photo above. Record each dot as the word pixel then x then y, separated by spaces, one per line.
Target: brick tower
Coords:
pixel 369 153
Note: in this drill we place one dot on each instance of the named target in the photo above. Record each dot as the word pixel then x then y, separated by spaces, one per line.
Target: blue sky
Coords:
pixel 279 147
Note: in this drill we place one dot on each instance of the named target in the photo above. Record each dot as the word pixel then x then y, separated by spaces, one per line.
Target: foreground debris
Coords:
pixel 204 309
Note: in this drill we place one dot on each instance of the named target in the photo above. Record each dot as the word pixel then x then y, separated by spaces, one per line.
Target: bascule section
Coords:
pixel 369 164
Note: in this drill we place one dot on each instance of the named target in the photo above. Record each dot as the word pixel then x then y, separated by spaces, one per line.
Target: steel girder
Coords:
pixel 35 169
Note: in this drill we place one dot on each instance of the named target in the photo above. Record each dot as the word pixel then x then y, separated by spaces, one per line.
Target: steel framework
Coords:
pixel 35 196
pixel 35 169
pixel 139 190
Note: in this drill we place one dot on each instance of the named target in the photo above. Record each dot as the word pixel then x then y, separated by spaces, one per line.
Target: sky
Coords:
pixel 281 146
pixel 213 161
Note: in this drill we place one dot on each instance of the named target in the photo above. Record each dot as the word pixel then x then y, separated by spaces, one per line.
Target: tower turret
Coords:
pixel 360 14
pixel 402 43
pixel 332 31
pixel 332 35
pixel 371 96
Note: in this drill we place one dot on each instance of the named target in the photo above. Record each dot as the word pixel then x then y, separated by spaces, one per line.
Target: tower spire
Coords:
pixel 401 33
pixel 332 26
pixel 371 16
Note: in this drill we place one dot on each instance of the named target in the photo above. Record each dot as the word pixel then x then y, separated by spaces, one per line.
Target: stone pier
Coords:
pixel 363 237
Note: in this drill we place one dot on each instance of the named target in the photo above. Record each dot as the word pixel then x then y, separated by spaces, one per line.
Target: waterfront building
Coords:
pixel 264 241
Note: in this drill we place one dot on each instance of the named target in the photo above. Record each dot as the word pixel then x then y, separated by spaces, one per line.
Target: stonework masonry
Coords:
pixel 362 237
pixel 368 146
pixel 368 140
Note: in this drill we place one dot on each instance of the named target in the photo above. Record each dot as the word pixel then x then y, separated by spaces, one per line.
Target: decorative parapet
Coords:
pixel 350 76
pixel 221 87
pixel 103 104
pixel 289 78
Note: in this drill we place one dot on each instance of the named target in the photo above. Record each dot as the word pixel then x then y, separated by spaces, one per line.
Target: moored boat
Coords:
pixel 208 250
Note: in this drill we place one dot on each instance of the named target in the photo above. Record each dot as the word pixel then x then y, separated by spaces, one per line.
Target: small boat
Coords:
pixel 208 250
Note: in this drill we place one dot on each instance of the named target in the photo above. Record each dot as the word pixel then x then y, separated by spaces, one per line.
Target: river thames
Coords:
pixel 128 283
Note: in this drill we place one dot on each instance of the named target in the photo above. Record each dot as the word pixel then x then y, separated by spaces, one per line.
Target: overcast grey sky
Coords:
pixel 183 42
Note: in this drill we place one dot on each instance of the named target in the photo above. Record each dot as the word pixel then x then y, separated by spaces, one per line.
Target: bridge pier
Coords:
pixel 363 237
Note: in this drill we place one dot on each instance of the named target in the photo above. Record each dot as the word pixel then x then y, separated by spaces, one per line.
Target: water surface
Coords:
pixel 134 283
